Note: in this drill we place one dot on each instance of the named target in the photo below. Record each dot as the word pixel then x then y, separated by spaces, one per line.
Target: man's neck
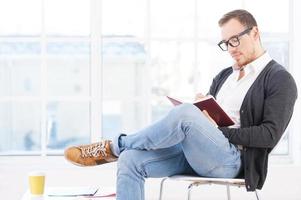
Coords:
pixel 259 52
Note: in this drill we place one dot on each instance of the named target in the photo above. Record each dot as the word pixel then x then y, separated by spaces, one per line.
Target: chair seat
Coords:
pixel 197 181
pixel 206 180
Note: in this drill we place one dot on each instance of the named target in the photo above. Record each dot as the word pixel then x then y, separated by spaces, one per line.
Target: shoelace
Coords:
pixel 94 150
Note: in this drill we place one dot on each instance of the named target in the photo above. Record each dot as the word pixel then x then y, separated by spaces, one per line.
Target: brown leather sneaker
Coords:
pixel 90 155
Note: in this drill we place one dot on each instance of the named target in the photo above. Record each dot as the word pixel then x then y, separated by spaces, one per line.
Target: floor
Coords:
pixel 282 182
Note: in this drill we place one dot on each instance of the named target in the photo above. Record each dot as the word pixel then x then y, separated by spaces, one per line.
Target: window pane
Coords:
pixel 20 69
pixel 172 68
pixel 124 85
pixel 160 107
pixel 124 17
pixel 211 60
pixel 123 115
pixel 111 118
pixel 123 68
pixel 172 18
pixel 20 48
pixel 172 73
pixel 277 19
pixel 278 49
pixel 208 21
pixel 67 17
pixel 68 123
pixel 68 68
pixel 19 17
pixel 20 126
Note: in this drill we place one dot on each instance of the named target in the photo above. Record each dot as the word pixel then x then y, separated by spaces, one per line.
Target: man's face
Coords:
pixel 245 52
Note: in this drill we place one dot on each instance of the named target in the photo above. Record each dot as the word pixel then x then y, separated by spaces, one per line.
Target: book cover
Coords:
pixel 211 106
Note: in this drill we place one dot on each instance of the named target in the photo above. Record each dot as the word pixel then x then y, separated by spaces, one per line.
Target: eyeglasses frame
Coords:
pixel 235 36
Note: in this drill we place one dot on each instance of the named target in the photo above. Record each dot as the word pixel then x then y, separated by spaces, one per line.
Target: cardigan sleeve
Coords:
pixel 276 110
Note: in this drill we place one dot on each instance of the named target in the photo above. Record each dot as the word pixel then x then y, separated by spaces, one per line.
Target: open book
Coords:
pixel 211 106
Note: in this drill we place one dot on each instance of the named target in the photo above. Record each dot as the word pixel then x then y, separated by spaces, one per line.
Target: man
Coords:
pixel 257 93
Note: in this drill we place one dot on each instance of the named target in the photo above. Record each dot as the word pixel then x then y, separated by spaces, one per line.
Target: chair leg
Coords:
pixel 257 195
pixel 161 187
pixel 228 192
pixel 189 191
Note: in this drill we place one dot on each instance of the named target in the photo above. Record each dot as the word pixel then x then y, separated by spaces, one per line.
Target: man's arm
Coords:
pixel 277 107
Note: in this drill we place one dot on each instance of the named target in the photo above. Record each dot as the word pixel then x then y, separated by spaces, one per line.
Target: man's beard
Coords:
pixel 248 59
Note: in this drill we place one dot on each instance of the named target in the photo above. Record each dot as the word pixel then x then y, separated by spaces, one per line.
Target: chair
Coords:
pixel 197 181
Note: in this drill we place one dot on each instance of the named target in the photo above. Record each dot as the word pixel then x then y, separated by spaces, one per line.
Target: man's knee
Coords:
pixel 129 164
pixel 127 159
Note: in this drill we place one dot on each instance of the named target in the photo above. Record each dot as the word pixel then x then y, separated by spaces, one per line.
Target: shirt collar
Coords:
pixel 256 65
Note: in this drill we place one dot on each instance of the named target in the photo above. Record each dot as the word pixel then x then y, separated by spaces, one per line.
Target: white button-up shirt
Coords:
pixel 233 91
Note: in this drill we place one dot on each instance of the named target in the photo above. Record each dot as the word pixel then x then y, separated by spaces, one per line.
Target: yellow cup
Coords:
pixel 36 183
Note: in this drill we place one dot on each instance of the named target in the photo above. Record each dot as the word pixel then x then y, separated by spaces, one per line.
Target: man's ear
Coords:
pixel 256 34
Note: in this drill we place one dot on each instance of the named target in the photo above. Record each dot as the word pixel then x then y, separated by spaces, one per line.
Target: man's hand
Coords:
pixel 199 96
pixel 210 119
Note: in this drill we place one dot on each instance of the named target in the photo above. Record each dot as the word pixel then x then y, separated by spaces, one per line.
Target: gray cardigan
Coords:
pixel 265 113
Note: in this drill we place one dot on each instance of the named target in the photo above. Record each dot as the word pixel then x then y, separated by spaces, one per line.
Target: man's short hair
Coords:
pixel 243 16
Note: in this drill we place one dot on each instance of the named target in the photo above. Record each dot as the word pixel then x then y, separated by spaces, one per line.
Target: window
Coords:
pixel 45 75
pixel 74 74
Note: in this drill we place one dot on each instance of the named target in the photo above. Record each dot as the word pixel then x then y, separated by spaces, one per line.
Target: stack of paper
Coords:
pixel 81 193
pixel 71 191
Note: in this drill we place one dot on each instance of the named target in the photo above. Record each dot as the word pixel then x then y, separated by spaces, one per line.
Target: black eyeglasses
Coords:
pixel 233 41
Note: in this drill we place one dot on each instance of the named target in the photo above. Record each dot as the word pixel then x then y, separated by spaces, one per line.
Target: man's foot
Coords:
pixel 90 155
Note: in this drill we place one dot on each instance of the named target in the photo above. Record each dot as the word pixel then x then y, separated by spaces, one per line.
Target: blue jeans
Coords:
pixel 183 142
